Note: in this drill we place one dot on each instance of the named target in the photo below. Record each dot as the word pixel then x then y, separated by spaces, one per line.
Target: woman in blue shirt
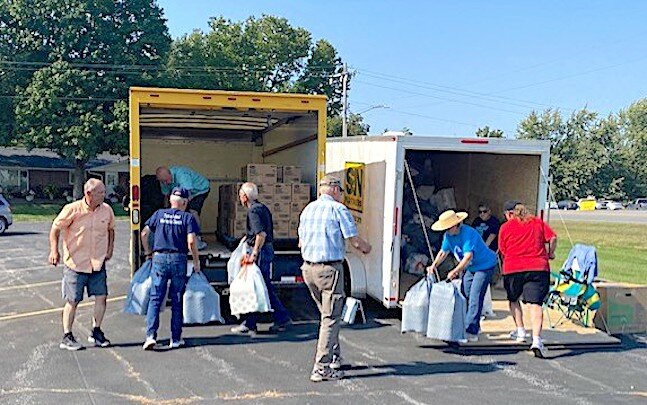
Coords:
pixel 476 264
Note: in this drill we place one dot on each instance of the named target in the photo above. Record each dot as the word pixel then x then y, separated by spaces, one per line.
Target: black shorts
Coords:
pixel 532 285
pixel 197 202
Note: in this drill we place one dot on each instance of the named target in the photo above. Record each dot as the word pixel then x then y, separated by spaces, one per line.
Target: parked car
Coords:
pixel 638 204
pixel 567 205
pixel 6 219
pixel 601 205
pixel 552 205
pixel 614 206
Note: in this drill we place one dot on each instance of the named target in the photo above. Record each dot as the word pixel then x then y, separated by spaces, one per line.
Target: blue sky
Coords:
pixel 447 68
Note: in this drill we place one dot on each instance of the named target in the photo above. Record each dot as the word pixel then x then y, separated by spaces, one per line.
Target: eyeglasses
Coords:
pixel 483 211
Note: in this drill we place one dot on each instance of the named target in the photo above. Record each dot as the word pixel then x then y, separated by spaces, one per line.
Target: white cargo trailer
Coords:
pixel 477 169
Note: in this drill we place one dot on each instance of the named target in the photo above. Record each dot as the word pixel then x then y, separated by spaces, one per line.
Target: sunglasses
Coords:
pixel 483 211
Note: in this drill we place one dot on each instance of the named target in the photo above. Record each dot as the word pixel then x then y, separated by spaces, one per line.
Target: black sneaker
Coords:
pixel 98 338
pixel 281 327
pixel 69 343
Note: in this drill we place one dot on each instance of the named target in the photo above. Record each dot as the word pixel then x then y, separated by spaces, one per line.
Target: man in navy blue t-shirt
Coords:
pixel 174 232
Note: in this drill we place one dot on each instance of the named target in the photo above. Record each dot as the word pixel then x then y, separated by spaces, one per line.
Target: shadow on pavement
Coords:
pixel 20 233
pixel 421 369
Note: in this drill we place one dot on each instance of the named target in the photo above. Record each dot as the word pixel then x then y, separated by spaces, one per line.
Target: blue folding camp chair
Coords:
pixel 573 293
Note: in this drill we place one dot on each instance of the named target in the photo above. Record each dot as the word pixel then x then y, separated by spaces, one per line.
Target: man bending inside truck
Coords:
pixel 184 177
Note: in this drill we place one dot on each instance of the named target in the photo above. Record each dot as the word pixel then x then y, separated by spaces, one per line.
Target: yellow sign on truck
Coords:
pixel 354 186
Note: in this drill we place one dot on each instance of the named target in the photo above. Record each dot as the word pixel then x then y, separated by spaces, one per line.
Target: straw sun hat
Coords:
pixel 448 219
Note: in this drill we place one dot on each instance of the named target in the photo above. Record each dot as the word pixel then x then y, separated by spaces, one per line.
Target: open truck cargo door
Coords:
pixel 216 133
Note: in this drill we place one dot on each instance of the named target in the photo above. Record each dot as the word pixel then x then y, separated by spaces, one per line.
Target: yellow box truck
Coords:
pixel 216 133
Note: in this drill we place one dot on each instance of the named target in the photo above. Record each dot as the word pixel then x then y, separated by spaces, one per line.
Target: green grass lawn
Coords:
pixel 32 212
pixel 622 248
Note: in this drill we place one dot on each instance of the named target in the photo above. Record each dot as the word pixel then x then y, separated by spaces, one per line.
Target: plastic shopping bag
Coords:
pixel 447 310
pixel 140 290
pixel 235 261
pixel 201 304
pixel 248 292
pixel 415 308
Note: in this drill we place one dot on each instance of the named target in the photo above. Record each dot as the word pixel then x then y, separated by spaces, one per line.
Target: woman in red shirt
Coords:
pixel 526 272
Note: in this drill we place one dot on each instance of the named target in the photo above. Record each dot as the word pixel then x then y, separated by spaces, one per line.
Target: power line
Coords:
pixel 441 98
pixel 452 90
pixel 425 116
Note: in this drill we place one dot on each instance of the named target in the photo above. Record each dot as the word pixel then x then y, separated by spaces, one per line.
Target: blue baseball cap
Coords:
pixel 180 192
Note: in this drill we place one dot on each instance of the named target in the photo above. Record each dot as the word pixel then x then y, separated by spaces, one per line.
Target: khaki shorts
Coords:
pixel 75 283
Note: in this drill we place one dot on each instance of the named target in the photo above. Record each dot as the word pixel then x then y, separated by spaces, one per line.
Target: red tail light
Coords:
pixel 135 193
pixel 476 141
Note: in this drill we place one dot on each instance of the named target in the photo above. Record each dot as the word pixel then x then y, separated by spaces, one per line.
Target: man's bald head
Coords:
pixel 94 192
pixel 163 175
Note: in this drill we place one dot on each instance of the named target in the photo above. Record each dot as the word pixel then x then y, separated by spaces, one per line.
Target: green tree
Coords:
pixel 61 113
pixel 70 64
pixel 633 151
pixel 580 150
pixel 486 132
pixel 356 126
pixel 264 54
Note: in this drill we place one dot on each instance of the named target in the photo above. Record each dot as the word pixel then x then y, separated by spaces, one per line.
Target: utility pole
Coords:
pixel 344 117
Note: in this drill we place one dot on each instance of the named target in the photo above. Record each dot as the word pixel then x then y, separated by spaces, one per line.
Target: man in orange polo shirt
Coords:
pixel 88 227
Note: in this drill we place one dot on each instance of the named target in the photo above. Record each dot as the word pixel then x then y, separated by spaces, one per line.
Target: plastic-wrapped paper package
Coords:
pixel 447 310
pixel 201 304
pixel 415 308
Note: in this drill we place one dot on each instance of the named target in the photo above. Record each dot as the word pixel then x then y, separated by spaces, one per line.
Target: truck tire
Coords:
pixel 3 225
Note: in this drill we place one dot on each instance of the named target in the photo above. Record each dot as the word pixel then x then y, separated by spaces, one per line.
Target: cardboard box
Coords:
pixel 300 190
pixel 283 199
pixel 260 173
pixel 279 174
pixel 279 208
pixel 291 174
pixel 295 216
pixel 283 189
pixel 281 234
pixel 237 228
pixel 297 206
pixel 266 193
pixel 623 308
pixel 280 217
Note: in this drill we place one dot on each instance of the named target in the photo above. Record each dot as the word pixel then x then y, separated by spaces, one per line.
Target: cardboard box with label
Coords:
pixel 259 173
pixel 623 308
pixel 279 208
pixel 291 174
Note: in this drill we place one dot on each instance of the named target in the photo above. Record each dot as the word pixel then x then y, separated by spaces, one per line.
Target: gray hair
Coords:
pixel 91 184
pixel 250 190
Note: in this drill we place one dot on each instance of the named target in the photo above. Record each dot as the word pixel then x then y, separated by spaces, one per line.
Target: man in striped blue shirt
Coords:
pixel 324 226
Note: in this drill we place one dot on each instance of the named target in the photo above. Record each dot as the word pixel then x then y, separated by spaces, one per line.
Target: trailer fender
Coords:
pixel 355 275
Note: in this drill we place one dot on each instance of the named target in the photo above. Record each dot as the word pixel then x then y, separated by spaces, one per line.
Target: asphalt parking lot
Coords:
pixel 217 367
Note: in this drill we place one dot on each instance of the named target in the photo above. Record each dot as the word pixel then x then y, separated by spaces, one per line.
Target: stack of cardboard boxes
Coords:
pixel 279 188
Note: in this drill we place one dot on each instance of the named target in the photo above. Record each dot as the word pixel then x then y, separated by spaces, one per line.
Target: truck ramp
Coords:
pixel 495 330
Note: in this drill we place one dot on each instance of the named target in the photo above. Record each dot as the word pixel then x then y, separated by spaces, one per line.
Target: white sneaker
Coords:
pixel 176 345
pixel 515 335
pixel 336 362
pixel 539 349
pixel 149 344
pixel 471 338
